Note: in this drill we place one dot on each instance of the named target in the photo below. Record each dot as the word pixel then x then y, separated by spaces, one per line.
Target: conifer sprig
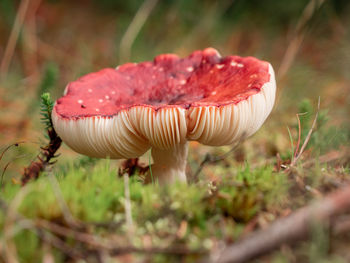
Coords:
pixel 46 107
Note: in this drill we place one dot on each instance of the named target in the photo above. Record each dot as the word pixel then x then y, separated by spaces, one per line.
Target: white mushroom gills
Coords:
pixel 130 133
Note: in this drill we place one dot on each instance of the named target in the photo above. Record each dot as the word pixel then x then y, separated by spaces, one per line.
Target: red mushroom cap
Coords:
pixel 202 79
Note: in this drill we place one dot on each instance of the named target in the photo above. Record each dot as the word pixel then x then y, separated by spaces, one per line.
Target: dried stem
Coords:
pixel 207 21
pixel 10 250
pixel 127 204
pixel 298 152
pixel 289 230
pixel 298 37
pixel 7 165
pixel 68 217
pixel 134 28
pixel 11 44
pixel 29 43
pixel 296 41
pixel 45 157
pixel 299 139
pixel 8 147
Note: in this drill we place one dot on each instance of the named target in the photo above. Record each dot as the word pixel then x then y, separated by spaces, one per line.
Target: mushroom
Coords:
pixel 121 113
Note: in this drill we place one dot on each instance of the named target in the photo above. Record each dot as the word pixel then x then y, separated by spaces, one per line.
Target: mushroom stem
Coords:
pixel 168 165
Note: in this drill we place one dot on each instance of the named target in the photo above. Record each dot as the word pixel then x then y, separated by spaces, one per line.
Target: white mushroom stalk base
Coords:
pixel 169 165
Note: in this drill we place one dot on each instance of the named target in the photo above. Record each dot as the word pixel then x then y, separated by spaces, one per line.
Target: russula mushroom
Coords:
pixel 121 113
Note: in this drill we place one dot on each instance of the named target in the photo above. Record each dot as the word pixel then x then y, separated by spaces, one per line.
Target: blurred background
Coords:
pixel 44 44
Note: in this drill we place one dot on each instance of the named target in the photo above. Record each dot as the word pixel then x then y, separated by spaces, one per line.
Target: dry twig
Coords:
pixel 289 230
pixel 68 217
pixel 8 163
pixel 44 158
pixel 207 21
pixel 134 28
pixel 298 37
pixel 127 204
pixel 298 152
pixel 8 147
pixel 11 44
pixel 10 251
pixel 29 43
pixel 307 139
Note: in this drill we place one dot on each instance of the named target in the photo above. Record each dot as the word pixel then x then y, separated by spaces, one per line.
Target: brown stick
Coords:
pixel 11 44
pixel 298 36
pixel 134 28
pixel 288 230
pixel 109 246
pixel 44 158
pixel 295 43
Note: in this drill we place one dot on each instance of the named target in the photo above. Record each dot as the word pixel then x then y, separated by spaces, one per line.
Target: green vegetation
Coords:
pixel 97 195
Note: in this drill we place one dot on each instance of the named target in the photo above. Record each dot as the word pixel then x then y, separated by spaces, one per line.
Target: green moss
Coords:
pixel 96 194
pixel 250 191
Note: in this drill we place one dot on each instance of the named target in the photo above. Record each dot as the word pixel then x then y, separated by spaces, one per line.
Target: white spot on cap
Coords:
pixel 240 65
pixel 90 90
pixel 249 85
pixel 213 93
pixel 220 66
pixel 161 69
pixel 80 101
pixel 183 82
pixel 211 72
pixel 100 100
pixel 253 76
pixel 97 109
pixel 107 97
pixel 189 69
pixel 113 92
pixel 233 64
